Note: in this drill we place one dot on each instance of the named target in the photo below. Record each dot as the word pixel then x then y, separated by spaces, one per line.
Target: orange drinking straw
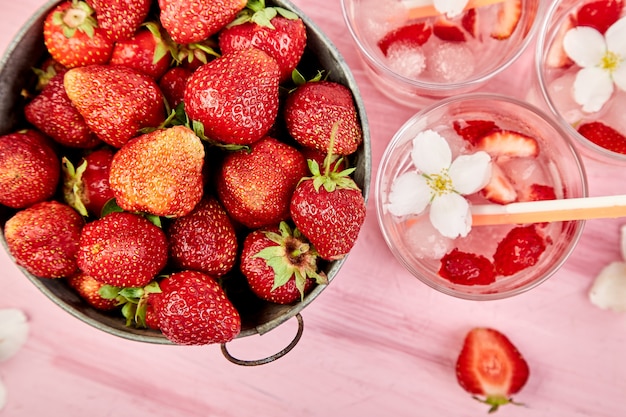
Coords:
pixel 429 10
pixel 584 208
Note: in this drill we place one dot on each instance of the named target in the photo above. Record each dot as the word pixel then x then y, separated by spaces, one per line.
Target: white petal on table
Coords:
pixel 609 288
pixel 13 332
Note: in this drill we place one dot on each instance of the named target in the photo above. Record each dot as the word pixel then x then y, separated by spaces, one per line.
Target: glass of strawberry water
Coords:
pixel 415 54
pixel 584 90
pixel 530 158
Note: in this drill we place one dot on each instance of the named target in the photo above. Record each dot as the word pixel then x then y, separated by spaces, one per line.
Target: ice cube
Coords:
pixel 406 60
pixel 378 17
pixel 425 241
pixel 561 93
pixel 451 62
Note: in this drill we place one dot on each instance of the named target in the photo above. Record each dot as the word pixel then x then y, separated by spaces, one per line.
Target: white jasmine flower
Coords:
pixel 441 183
pixel 602 61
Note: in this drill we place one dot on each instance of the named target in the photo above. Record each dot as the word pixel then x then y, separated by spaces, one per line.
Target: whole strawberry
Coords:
pixel 86 187
pixel 279 264
pixel 120 19
pixel 115 101
pixel 53 113
pixel 490 367
pixel 88 288
pixel 43 239
pixel 277 31
pixel 204 240
pixel 194 310
pixel 159 172
pixel 329 209
pixel 122 249
pixel 314 108
pixel 189 21
pixel 173 84
pixel 72 36
pixel 235 97
pixel 29 169
pixel 255 186
pixel 145 51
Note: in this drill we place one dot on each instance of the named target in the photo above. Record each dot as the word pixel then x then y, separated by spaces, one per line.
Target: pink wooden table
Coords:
pixel 377 342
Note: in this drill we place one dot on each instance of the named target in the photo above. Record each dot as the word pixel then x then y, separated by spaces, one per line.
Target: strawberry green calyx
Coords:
pixel 163 46
pixel 73 187
pixel 79 17
pixel 132 300
pixel 293 256
pixel 256 12
pixel 495 401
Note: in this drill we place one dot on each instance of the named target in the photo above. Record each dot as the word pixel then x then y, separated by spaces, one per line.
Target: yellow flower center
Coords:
pixel 610 61
pixel 439 184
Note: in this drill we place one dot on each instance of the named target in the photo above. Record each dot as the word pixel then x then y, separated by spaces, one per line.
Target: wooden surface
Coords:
pixel 377 342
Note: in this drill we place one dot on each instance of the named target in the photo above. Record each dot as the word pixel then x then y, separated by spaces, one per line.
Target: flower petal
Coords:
pixel 470 173
pixel 592 88
pixel 13 332
pixel 450 8
pixel 409 194
pixel 619 75
pixel 616 37
pixel 450 214
pixel 431 153
pixel 608 290
pixel 584 45
pixel 3 395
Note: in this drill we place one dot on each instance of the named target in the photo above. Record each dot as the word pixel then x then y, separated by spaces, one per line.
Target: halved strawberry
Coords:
pixel 469 21
pixel 604 136
pixel 447 30
pixel 600 14
pixel 508 143
pixel 556 56
pixel 499 190
pixel 490 366
pixel 473 130
pixel 509 15
pixel 467 268
pixel 414 34
pixel 518 250
pixel 536 192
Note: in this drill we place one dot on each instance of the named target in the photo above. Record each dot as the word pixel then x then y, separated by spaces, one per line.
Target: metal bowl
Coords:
pixel 27 50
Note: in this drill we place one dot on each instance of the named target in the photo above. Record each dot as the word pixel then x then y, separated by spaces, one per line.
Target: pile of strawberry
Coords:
pixel 175 157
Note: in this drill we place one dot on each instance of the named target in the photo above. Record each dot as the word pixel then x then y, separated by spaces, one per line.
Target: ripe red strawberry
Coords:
pixel 203 240
pixel 145 51
pixel 255 186
pixel 194 310
pixel 467 268
pixel 499 189
pixel 518 250
pixel 279 264
pixel 48 70
pixel 473 130
pixel 314 108
pixel 120 19
pixel 72 37
pixel 159 172
pixel 43 239
pixel 469 21
pixel 189 21
pixel 235 97
pixel 29 169
pixel 52 112
pixel 508 143
pixel 88 288
pixel 276 31
pixel 414 34
pixel 329 209
pixel 447 30
pixel 604 136
pixel 86 188
pixel 490 367
pixel 600 14
pixel 115 101
pixel 536 192
pixel 509 14
pixel 122 249
pixel 173 84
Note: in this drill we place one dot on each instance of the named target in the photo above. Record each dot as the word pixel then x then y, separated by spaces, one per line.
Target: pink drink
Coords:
pixel 442 55
pixel 552 170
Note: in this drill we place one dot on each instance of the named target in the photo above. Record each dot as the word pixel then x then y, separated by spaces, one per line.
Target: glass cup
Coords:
pixel 592 114
pixel 555 167
pixel 448 55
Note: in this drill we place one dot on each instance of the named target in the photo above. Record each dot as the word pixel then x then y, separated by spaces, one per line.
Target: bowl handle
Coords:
pixel 271 358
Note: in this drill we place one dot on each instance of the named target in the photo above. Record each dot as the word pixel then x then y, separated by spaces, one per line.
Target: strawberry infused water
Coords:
pixel 581 67
pixel 416 50
pixel 457 157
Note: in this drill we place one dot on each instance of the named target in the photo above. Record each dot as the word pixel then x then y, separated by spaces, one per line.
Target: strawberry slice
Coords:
pixel 518 250
pixel 473 130
pixel 447 30
pixel 469 21
pixel 556 56
pixel 600 14
pixel 508 143
pixel 467 268
pixel 604 136
pixel 509 15
pixel 489 365
pixel 415 34
pixel 537 192
pixel 499 189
